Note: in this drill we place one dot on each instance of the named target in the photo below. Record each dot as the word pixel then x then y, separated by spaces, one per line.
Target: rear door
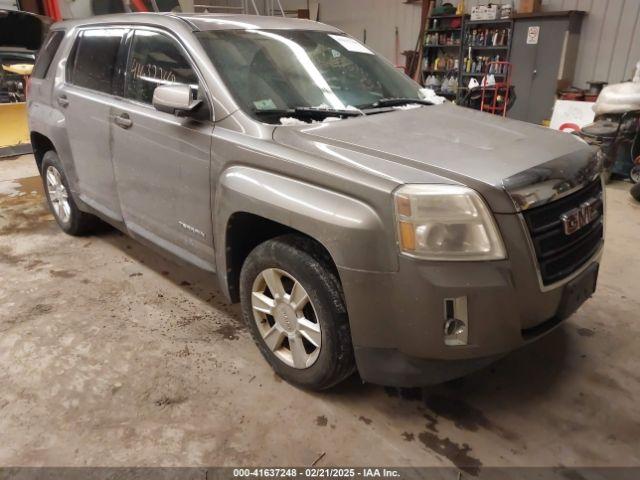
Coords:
pixel 162 161
pixel 85 99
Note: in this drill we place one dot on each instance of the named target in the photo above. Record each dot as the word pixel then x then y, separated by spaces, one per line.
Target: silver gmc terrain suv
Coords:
pixel 360 225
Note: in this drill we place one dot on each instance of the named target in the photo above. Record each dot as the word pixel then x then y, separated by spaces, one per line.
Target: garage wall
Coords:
pixel 609 47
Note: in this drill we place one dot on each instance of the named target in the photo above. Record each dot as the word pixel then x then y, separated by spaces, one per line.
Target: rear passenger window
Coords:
pixel 155 59
pixel 46 53
pixel 95 57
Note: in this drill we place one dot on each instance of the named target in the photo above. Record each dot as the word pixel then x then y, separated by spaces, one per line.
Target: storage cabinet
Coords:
pixel 543 52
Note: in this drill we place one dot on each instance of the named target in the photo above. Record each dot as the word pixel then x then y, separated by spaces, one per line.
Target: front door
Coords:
pixel 162 161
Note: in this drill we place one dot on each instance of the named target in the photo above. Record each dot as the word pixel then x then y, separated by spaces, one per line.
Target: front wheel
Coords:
pixel 293 305
pixel 634 174
pixel 70 219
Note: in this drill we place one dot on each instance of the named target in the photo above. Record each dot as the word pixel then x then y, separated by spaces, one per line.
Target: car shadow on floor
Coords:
pixel 188 278
pixel 514 384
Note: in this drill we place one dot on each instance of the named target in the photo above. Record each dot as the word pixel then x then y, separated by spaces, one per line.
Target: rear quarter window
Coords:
pixel 47 52
pixel 94 59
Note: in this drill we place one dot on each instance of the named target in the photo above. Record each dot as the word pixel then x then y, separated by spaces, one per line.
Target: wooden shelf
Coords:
pixel 566 13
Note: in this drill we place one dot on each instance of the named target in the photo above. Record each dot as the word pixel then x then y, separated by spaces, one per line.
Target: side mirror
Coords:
pixel 175 99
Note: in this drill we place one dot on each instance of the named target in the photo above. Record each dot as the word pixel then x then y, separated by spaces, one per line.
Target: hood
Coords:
pixel 22 30
pixel 463 145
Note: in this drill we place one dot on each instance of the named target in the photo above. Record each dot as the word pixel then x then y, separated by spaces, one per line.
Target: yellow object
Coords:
pixel 19 68
pixel 460 10
pixel 14 128
pixel 407 237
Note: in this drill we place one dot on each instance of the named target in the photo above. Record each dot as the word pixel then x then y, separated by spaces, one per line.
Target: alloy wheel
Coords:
pixel 58 195
pixel 286 318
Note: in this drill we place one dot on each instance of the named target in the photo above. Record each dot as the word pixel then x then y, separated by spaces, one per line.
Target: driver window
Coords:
pixel 155 60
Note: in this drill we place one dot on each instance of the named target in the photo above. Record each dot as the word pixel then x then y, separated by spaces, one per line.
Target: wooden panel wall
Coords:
pixel 609 46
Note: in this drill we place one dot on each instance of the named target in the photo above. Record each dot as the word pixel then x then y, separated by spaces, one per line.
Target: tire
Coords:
pixel 70 219
pixel 302 265
pixel 635 191
pixel 634 174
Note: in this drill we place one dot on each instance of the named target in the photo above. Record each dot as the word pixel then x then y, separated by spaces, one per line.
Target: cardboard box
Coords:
pixel 485 12
pixel 491 12
pixel 529 6
pixel 477 13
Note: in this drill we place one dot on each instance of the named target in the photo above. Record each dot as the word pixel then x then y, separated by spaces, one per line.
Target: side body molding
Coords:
pixel 349 229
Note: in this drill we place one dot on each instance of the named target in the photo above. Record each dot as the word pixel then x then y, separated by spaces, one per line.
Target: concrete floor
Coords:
pixel 111 355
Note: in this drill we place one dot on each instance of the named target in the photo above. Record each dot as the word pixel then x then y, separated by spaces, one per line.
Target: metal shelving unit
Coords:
pixel 440 26
pixel 485 46
pixel 460 49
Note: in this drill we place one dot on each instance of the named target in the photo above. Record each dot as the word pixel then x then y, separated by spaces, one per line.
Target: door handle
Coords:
pixel 63 101
pixel 123 120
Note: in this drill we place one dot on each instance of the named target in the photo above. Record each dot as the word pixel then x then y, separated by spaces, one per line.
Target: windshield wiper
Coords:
pixel 308 113
pixel 397 102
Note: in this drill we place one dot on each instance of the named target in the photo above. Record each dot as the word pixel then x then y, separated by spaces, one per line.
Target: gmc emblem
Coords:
pixel 579 217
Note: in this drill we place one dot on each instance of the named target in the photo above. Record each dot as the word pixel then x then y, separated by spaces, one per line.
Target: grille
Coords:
pixel 558 254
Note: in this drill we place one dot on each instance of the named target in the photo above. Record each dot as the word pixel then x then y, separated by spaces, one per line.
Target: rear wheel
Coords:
pixel 293 305
pixel 70 219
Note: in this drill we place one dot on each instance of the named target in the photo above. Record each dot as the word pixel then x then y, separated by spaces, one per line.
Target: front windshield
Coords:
pixel 283 70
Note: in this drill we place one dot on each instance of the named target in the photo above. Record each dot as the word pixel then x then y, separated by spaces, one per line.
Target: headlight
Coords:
pixel 446 222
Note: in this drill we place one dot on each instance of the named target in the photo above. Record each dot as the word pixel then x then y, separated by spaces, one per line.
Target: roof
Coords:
pixel 205 21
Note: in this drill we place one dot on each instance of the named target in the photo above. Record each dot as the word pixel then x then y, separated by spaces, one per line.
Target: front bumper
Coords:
pixel 397 319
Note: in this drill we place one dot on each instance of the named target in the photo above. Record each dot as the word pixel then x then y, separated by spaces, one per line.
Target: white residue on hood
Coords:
pixel 430 95
pixel 289 121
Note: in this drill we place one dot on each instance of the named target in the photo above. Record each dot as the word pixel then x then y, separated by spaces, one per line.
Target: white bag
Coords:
pixel 489 81
pixel 618 98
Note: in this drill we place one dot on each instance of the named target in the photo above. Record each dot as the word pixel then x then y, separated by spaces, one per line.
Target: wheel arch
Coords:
pixel 252 206
pixel 41 144
pixel 239 245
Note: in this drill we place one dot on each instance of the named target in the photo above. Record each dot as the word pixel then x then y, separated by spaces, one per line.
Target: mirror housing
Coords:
pixel 175 99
